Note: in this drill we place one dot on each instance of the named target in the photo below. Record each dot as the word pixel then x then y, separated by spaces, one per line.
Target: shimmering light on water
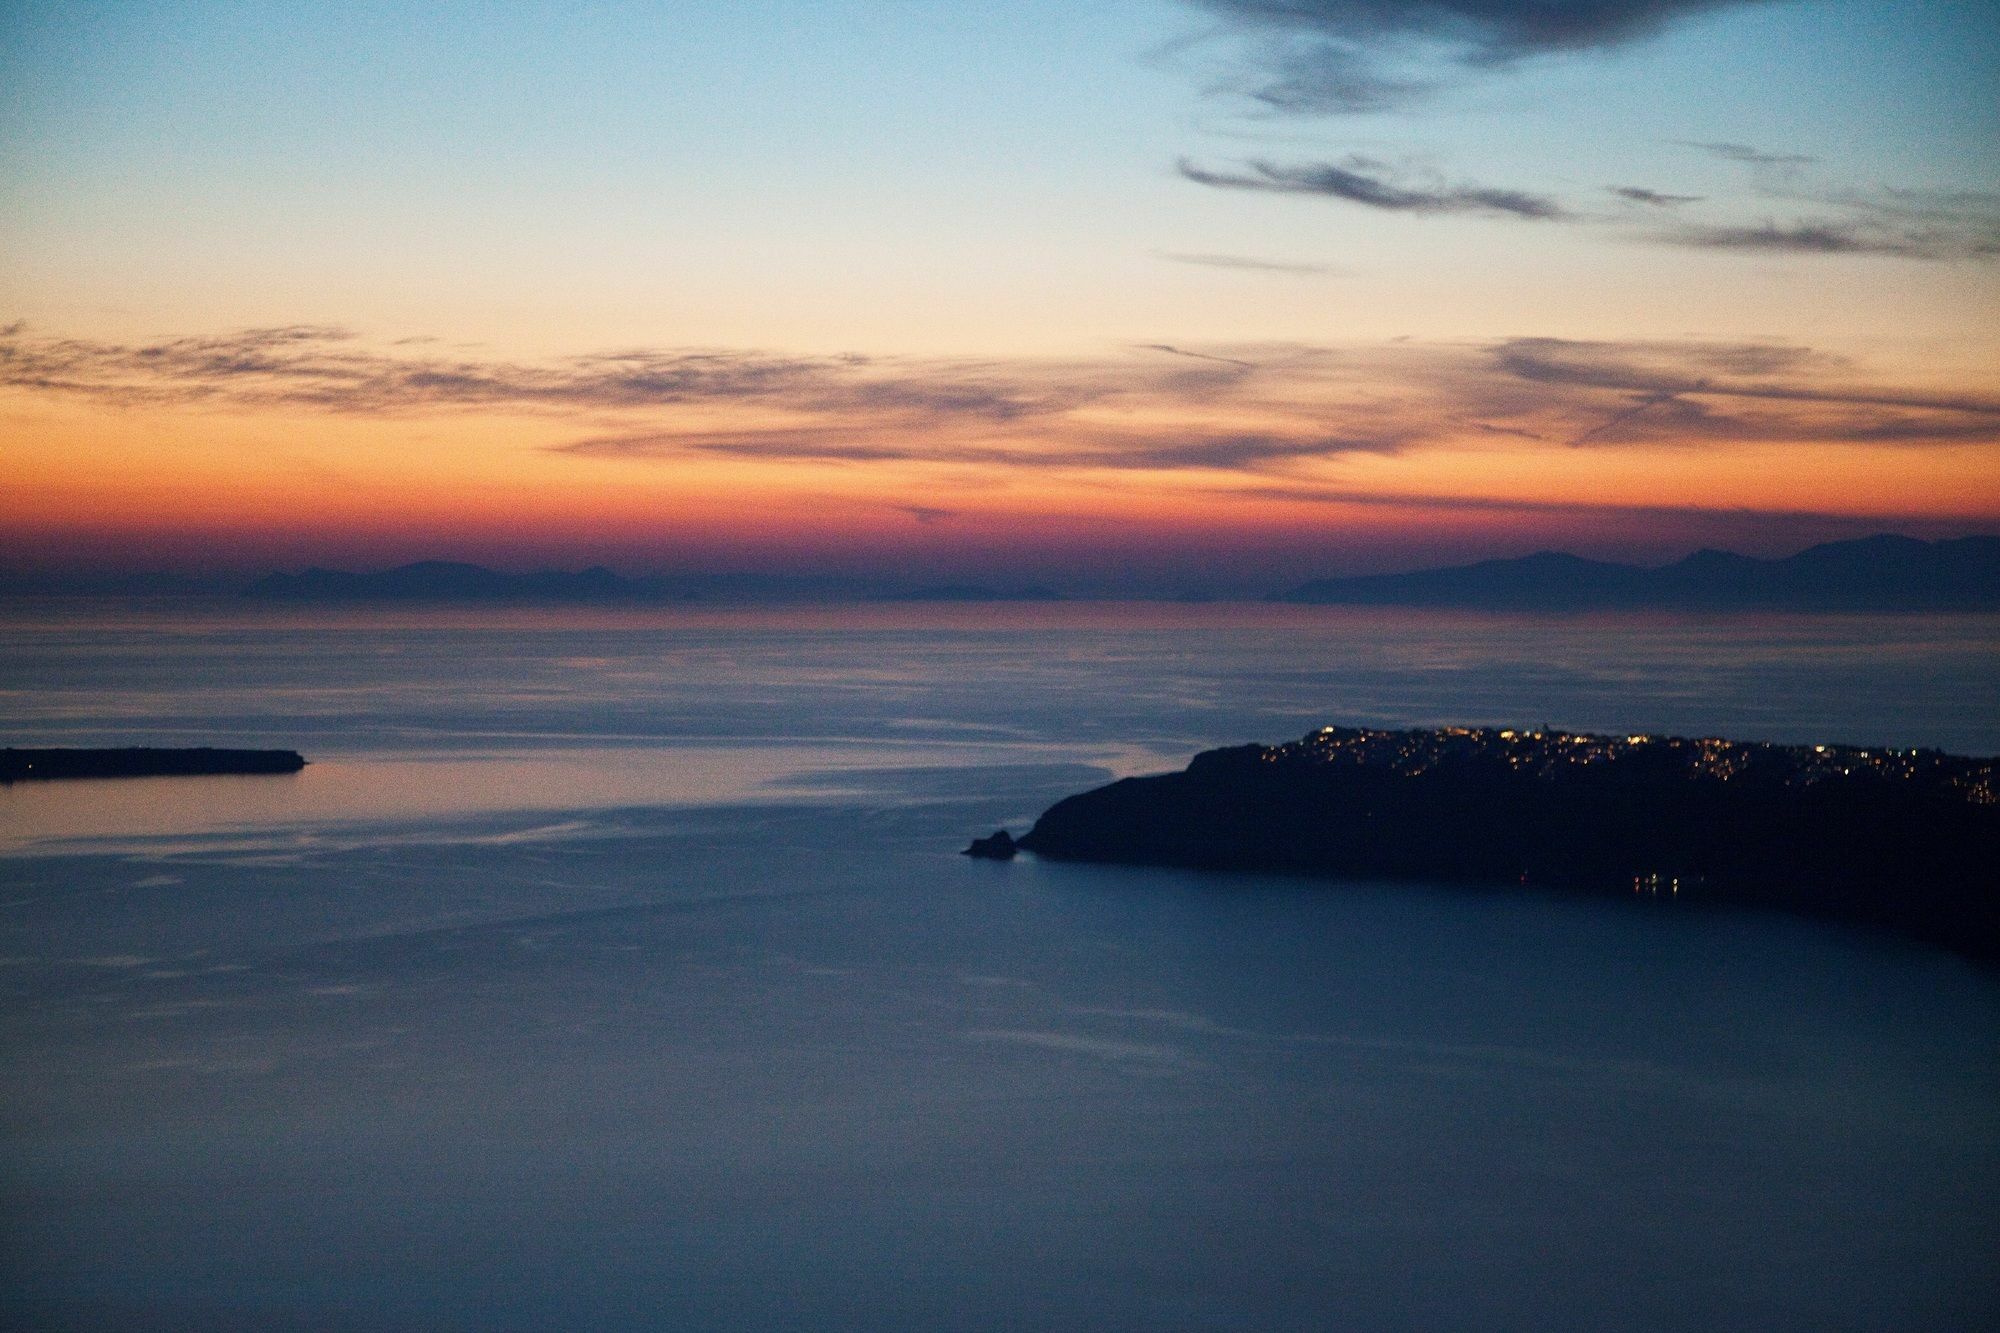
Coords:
pixel 404 786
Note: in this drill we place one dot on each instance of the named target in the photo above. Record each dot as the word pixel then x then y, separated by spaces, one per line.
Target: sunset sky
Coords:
pixel 1131 296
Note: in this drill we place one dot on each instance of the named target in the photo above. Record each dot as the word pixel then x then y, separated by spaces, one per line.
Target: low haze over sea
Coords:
pixel 616 968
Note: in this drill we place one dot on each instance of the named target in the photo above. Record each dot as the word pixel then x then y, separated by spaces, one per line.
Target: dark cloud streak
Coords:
pixel 1744 153
pixel 1896 224
pixel 1249 264
pixel 1809 238
pixel 1347 56
pixel 1723 370
pixel 1363 181
pixel 1653 198
pixel 1172 350
pixel 1194 451
pixel 1618 419
pixel 797 445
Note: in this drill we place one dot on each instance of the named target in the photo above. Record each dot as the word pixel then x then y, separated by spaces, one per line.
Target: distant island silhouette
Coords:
pixel 1886 574
pixel 1881 573
pixel 1906 839
pixel 454 581
pixel 448 581
pixel 45 765
pixel 974 592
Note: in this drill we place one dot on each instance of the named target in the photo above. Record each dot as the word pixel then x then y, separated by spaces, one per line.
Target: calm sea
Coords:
pixel 618 971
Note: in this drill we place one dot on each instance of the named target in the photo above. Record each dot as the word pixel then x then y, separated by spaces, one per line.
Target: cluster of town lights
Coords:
pixel 1549 752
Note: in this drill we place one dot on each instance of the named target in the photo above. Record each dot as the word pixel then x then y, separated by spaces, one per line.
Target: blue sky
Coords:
pixel 263 145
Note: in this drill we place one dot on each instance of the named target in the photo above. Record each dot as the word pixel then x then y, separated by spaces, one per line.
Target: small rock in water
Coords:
pixel 999 847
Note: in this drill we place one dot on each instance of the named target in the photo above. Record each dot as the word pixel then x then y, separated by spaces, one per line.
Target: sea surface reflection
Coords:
pixel 423 786
pixel 620 972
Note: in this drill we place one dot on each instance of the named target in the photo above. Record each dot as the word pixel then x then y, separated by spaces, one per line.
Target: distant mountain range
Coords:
pixel 454 581
pixel 1883 573
pixel 974 592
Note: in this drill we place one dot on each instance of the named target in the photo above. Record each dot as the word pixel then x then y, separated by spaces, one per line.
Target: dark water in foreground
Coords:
pixel 620 973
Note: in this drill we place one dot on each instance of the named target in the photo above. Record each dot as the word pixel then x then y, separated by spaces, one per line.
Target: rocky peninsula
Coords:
pixel 142 762
pixel 1900 838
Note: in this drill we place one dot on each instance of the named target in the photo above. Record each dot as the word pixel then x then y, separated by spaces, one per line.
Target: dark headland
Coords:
pixel 142 762
pixel 1904 839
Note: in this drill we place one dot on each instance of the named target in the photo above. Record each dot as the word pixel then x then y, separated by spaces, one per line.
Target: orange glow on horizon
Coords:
pixel 1236 460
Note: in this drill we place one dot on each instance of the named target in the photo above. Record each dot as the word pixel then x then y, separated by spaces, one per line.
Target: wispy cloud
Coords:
pixel 1082 448
pixel 1517 432
pixel 1705 395
pixel 1903 224
pixel 1841 219
pixel 328 367
pixel 1542 391
pixel 1621 418
pixel 1331 57
pixel 1742 370
pixel 1744 153
pixel 1652 198
pixel 794 444
pixel 1281 413
pixel 1230 453
pixel 1361 180
pixel 1250 264
pixel 1172 350
pixel 1347 56
pixel 1810 238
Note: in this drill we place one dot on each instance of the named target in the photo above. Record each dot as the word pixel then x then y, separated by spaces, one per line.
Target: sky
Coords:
pixel 1138 297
